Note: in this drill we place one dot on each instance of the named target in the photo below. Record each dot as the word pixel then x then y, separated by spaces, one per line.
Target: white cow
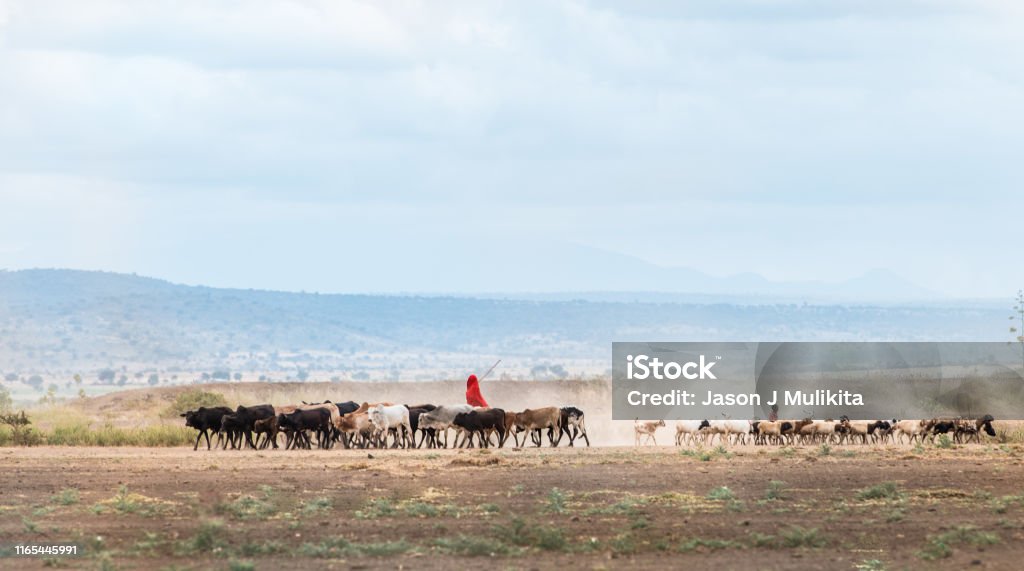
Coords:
pixel 395 417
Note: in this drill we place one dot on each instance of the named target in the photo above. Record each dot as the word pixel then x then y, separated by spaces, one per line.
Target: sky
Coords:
pixel 474 146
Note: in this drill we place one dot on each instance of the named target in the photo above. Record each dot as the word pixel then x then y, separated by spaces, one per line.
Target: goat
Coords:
pixel 648 428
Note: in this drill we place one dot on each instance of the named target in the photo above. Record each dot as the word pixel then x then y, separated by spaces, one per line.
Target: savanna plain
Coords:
pixel 922 506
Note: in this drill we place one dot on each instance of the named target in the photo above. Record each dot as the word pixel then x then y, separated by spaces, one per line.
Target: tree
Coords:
pixel 238 376
pixel 51 395
pixel 107 375
pixel 1019 310
pixel 6 402
pixel 153 380
pixel 78 379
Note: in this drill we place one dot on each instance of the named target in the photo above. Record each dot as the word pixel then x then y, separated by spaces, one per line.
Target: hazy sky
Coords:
pixel 468 146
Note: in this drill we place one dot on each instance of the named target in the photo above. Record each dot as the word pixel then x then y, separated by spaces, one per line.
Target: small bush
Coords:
pixel 316 506
pixel 883 491
pixel 193 399
pixel 375 508
pixel 472 546
pixel 250 507
pixel 208 537
pixel 124 502
pixel 556 501
pixel 721 494
pixel 797 536
pixel 763 540
pixel 66 497
pixel 940 546
pixel 490 508
pixel 623 544
pixel 944 442
pixel 517 532
pixel 775 490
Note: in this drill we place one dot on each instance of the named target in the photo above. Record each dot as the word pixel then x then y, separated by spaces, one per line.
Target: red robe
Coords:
pixel 473 396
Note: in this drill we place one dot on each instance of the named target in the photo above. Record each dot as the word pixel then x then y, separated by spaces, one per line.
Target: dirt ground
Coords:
pixel 855 507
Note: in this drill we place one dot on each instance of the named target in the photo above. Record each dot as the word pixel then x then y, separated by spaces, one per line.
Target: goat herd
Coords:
pixel 369 425
pixel 807 431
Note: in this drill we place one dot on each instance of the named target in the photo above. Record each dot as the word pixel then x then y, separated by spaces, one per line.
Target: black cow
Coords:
pixel 248 415
pixel 300 421
pixel 429 434
pixel 231 430
pixel 479 421
pixel 572 417
pixel 985 422
pixel 346 407
pixel 205 420
pixel 943 427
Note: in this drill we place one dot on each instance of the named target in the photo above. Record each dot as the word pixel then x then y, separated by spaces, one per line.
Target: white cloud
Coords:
pixel 553 117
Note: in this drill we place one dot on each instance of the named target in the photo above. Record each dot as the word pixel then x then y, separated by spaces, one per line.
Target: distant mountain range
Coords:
pixel 583 267
pixel 562 268
pixel 69 320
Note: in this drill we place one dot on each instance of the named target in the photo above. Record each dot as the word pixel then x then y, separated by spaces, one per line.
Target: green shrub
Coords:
pixel 721 494
pixel 375 508
pixel 940 546
pixel 208 537
pixel 472 546
pixel 249 507
pixel 66 497
pixel 556 501
pixel 193 399
pixel 775 490
pixel 797 536
pixel 883 491
pixel 316 506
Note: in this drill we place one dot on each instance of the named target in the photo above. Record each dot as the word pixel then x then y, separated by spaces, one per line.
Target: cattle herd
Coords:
pixel 382 425
pixel 808 431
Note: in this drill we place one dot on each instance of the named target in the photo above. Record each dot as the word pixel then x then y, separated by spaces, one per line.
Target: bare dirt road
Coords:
pixel 749 508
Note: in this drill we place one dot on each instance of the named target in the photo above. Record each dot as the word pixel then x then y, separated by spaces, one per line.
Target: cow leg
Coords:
pixel 198 437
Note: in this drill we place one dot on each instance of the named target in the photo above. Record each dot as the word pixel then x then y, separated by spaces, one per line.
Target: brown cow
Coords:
pixel 536 420
pixel 510 426
pixel 267 427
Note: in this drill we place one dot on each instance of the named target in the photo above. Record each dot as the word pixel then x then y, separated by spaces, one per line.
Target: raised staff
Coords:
pixel 473 395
